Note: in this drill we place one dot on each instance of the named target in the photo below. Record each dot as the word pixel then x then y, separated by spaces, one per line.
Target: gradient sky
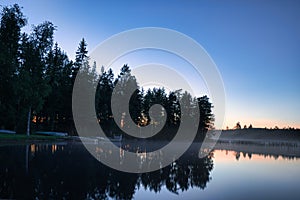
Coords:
pixel 255 44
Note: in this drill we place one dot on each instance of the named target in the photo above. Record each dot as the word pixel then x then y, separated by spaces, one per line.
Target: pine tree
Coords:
pixel 205 110
pixel 58 74
pixel 125 86
pixel 12 20
pixel 81 58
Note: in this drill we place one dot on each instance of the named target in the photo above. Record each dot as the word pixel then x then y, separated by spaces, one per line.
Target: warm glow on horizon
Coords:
pixel 261 123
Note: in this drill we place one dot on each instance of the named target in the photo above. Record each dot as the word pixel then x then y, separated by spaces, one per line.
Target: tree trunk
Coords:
pixel 28 121
pixel 52 122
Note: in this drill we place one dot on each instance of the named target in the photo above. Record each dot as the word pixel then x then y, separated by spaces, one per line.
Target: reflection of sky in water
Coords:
pixel 259 177
pixel 254 177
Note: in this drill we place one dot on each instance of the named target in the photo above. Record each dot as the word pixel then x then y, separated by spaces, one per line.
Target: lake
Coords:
pixel 67 170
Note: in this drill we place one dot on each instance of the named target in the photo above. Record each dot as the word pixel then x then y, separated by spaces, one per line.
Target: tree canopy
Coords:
pixel 37 80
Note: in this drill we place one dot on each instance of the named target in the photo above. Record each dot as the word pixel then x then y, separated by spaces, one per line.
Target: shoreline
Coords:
pixel 257 141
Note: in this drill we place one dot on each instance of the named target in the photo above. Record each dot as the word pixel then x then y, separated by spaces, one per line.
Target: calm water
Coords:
pixel 56 171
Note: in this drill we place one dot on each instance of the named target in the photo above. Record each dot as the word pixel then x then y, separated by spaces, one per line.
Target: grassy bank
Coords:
pixel 21 137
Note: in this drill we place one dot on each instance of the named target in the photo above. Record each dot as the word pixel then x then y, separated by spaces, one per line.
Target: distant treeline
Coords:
pixel 238 126
pixel 37 80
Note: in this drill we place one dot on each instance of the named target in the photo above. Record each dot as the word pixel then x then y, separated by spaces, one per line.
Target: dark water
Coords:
pixel 68 171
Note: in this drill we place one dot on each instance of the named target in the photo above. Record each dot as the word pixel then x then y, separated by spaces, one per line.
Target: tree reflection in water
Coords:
pixel 69 171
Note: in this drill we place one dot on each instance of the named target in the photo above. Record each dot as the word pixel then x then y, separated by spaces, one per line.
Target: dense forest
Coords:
pixel 37 79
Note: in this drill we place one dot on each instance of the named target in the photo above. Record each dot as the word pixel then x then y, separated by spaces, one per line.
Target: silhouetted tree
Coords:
pixel 12 20
pixel 103 99
pixel 57 107
pixel 173 109
pixel 126 83
pixel 206 115
pixel 32 83
pixel 81 58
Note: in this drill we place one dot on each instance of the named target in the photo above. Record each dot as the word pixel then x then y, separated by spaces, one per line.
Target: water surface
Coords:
pixel 68 171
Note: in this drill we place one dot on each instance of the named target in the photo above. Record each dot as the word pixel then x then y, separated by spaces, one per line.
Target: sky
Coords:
pixel 255 45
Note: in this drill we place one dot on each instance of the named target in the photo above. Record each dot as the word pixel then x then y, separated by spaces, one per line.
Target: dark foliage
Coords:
pixel 37 80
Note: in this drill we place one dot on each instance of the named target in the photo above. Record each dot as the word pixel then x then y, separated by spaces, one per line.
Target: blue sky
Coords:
pixel 255 44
